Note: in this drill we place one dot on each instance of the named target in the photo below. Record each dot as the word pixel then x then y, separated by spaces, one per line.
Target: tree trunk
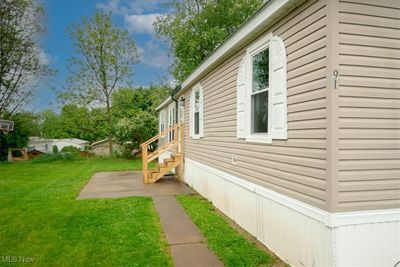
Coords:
pixel 109 117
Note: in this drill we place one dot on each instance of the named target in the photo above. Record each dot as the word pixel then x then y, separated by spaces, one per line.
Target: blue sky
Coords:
pixel 136 16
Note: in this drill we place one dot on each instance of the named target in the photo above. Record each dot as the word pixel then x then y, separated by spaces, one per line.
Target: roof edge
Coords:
pixel 255 25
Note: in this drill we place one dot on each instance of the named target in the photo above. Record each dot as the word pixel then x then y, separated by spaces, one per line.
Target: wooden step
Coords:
pixel 161 165
pixel 163 168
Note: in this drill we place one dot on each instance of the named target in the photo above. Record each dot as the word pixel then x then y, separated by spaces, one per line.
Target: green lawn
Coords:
pixel 230 246
pixel 40 218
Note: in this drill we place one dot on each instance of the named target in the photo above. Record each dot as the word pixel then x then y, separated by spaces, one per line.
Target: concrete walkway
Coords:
pixel 130 183
pixel 188 247
pixel 187 243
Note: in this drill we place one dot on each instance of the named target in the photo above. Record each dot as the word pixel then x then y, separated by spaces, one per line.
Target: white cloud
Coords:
pixel 129 6
pixel 141 23
pixel 112 6
pixel 43 57
pixel 138 15
pixel 140 6
pixel 154 56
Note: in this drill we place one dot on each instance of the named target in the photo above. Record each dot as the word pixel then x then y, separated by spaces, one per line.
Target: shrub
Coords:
pixel 127 153
pixel 68 156
pixel 55 149
pixel 71 149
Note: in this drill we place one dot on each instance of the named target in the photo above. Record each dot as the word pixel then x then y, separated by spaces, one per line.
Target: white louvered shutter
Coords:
pixel 278 88
pixel 191 115
pixel 241 99
pixel 201 112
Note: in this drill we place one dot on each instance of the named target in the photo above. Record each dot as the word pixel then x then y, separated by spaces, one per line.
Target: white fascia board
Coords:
pixel 164 103
pixel 258 23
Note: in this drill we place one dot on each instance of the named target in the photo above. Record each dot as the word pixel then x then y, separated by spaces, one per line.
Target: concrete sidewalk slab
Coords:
pixel 187 243
pixel 178 227
pixel 194 255
pixel 130 183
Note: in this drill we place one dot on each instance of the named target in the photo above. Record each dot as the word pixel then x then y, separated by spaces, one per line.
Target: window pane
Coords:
pixel 260 73
pixel 196 100
pixel 196 123
pixel 259 116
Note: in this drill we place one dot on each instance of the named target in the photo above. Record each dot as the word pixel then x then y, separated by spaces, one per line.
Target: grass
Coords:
pixel 228 244
pixel 40 218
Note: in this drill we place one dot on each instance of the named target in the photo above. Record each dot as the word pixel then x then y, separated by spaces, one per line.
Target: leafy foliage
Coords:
pixel 138 128
pixel 74 121
pixel 104 63
pixel 20 56
pixel 70 149
pixel 135 109
pixel 25 125
pixel 134 118
pixel 46 158
pixel 197 27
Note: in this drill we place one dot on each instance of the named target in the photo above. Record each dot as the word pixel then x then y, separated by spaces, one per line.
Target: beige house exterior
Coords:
pixel 101 148
pixel 321 187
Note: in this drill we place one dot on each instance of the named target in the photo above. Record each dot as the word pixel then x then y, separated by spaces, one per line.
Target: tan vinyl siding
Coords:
pixel 369 105
pixel 296 167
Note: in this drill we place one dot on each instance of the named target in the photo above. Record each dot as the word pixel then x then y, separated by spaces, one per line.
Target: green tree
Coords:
pixel 51 125
pixel 104 63
pixel 196 28
pixel 135 110
pixel 55 149
pixel 78 122
pixel 137 128
pixel 74 122
pixel 127 100
pixel 20 56
pixel 25 125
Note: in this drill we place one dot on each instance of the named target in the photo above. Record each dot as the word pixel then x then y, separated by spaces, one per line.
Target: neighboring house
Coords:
pixel 78 143
pixel 292 130
pixel 101 148
pixel 40 144
pixel 34 154
pixel 46 145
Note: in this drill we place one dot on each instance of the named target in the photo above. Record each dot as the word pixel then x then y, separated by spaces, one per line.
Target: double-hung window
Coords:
pixel 259 92
pixel 262 92
pixel 196 112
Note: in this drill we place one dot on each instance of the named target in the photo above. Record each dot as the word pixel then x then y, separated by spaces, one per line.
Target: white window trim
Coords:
pixel 265 138
pixel 196 88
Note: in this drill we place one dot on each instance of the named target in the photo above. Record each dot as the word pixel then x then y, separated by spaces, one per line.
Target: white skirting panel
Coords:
pixel 298 233
pixel 370 244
